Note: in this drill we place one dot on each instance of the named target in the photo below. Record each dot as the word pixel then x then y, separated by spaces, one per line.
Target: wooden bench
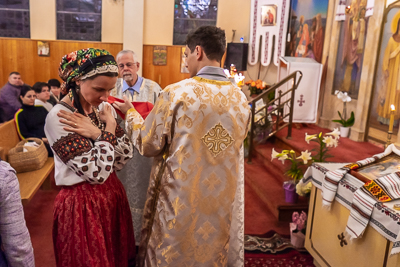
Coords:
pixel 29 182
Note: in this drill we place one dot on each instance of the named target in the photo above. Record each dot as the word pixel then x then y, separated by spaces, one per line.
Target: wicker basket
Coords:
pixel 31 160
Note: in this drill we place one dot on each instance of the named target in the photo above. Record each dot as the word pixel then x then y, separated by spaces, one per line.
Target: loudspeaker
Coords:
pixel 236 53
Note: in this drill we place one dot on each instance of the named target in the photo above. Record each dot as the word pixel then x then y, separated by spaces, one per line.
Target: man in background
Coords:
pixel 55 91
pixel 136 173
pixel 9 97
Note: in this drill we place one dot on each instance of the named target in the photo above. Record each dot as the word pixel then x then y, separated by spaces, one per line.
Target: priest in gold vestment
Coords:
pixel 194 213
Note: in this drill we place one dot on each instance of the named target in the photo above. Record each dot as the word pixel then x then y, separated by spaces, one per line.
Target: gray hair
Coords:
pixel 127 51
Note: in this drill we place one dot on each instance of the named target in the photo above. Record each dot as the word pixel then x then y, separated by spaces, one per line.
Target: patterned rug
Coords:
pixel 272 249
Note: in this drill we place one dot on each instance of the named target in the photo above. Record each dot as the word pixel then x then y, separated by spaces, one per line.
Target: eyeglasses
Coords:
pixel 129 65
pixel 31 96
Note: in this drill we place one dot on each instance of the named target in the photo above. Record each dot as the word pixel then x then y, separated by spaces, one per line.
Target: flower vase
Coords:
pixel 344 131
pixel 290 192
pixel 297 238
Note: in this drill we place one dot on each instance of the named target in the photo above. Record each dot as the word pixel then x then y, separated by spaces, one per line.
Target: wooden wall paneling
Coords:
pixel 21 55
pixel 163 75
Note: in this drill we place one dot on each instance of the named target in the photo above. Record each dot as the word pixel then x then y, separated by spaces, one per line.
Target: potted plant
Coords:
pixel 295 172
pixel 346 123
pixel 299 163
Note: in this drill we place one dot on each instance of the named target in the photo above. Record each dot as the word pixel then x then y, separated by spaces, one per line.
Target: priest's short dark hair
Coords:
pixel 210 38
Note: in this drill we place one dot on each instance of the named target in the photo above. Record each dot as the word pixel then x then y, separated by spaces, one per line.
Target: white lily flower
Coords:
pixel 335 142
pixel 335 133
pixel 305 156
pixel 329 141
pixel 310 137
pixel 283 158
pixel 274 154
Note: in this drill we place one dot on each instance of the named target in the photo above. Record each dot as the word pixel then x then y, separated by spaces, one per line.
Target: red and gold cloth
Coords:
pixel 93 226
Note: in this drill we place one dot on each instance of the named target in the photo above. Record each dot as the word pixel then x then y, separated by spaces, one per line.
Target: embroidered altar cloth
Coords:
pixel 384 218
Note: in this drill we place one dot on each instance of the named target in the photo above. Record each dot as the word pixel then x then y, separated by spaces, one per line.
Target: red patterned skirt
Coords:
pixel 92 225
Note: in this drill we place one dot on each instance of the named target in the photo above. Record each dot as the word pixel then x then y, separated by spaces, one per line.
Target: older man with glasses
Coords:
pixel 136 173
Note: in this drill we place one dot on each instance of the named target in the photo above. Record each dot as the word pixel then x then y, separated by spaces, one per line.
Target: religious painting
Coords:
pixel 191 14
pixel 307 29
pixel 350 53
pixel 385 166
pixel 386 89
pixel 43 48
pixel 268 15
pixel 183 61
pixel 159 55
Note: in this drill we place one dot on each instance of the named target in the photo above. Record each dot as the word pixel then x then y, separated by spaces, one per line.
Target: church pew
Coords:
pixel 29 182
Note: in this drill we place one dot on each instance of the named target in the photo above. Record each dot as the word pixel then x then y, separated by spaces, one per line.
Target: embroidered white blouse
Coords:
pixel 77 158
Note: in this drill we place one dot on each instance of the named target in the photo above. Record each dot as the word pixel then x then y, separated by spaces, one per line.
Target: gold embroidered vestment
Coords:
pixel 194 213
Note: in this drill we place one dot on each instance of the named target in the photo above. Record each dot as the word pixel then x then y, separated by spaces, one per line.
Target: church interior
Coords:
pixel 321 82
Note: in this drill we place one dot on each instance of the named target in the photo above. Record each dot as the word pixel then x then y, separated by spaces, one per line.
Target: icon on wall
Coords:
pixel 159 55
pixel 268 15
pixel 43 48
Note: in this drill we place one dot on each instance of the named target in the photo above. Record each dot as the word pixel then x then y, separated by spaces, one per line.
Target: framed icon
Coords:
pixel 268 15
pixel 43 48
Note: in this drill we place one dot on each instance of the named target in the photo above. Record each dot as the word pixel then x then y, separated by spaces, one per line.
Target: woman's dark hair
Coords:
pixel 38 87
pixel 25 89
pixel 211 39
pixel 73 88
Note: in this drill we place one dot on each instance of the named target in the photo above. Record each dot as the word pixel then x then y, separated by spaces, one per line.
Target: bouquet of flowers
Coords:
pixel 256 87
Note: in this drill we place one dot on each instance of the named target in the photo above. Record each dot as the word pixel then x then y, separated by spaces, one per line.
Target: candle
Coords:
pixel 392 109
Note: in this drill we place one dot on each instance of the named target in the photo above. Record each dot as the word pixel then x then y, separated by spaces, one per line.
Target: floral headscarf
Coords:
pixel 85 63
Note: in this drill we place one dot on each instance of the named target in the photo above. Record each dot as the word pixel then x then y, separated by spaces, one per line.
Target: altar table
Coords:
pixel 324 236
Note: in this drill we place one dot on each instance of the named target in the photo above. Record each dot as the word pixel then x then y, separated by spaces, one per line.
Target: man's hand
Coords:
pixel 123 107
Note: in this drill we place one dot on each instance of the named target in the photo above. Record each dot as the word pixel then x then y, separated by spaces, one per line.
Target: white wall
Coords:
pixel 43 19
pixel 112 21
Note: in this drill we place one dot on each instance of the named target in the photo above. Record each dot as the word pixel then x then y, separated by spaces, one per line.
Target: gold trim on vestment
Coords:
pixel 197 78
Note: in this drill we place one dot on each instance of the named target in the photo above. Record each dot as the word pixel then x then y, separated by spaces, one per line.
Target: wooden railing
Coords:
pixel 293 79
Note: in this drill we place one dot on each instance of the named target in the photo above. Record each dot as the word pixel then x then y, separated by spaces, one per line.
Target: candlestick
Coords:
pixel 392 109
pixel 390 132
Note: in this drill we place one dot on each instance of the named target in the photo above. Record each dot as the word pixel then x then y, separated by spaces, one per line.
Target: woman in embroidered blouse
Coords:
pixel 92 221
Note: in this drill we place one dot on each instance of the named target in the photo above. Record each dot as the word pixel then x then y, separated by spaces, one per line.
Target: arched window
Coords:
pixel 79 20
pixel 14 18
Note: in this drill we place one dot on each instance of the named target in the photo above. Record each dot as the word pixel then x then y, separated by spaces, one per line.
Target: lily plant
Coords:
pixel 296 168
pixel 325 142
pixel 299 162
pixel 343 117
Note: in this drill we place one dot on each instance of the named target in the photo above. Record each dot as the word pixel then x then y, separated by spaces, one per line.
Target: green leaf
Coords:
pixel 350 121
pixel 340 116
pixel 338 121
